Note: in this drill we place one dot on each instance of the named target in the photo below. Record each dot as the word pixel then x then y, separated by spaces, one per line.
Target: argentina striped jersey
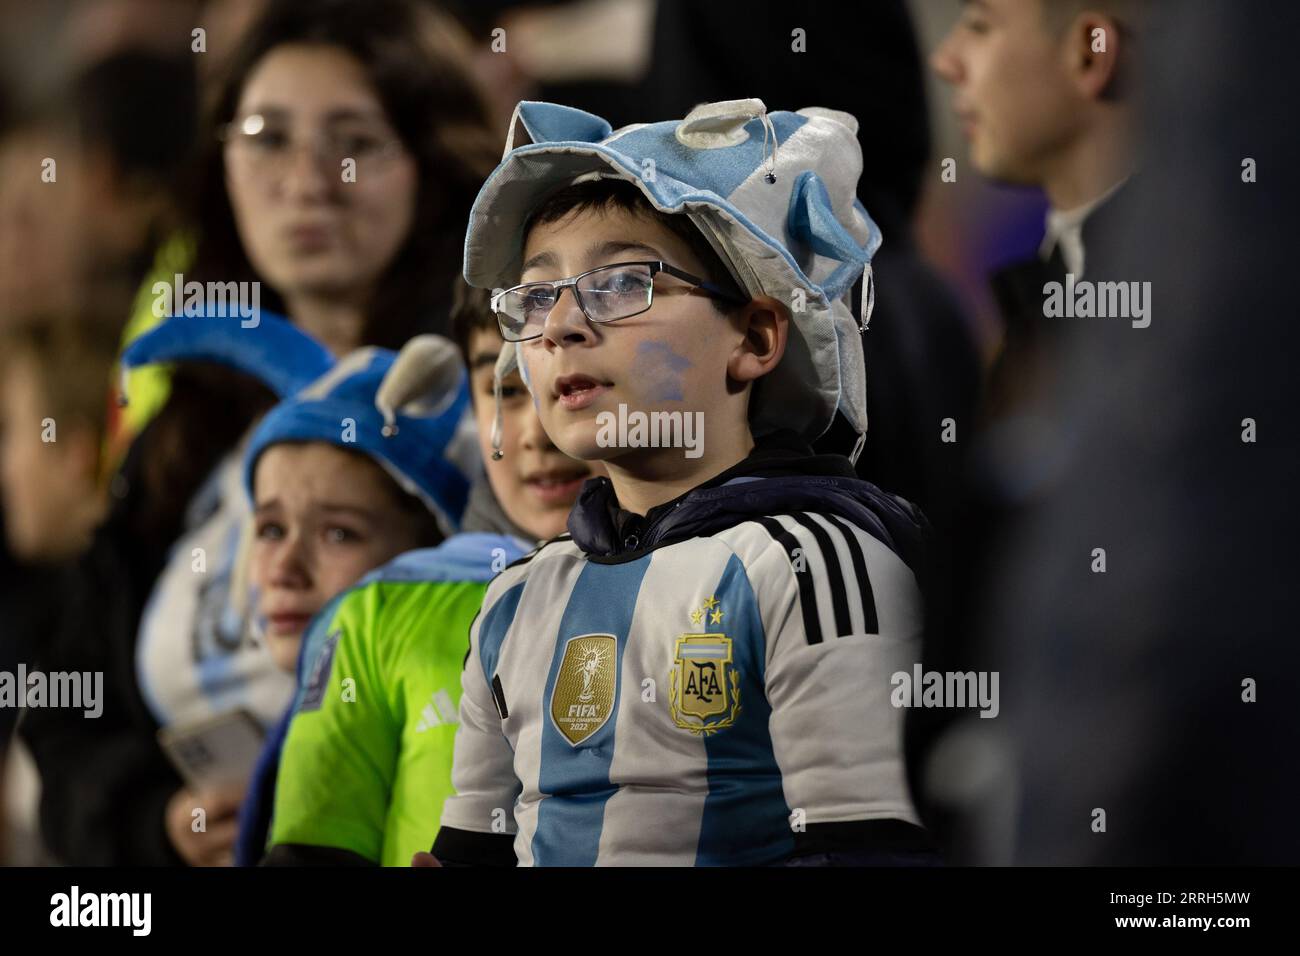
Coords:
pixel 694 703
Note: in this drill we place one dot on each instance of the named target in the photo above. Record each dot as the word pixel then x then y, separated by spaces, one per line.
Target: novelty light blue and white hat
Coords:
pixel 425 442
pixel 775 194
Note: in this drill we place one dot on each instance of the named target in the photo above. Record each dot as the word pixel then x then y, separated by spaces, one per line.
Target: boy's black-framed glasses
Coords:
pixel 607 294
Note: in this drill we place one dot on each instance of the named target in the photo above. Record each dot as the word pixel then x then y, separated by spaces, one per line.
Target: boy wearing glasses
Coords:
pixel 699 672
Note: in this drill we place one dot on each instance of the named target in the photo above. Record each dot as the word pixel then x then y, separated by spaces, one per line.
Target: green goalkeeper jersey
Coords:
pixel 366 758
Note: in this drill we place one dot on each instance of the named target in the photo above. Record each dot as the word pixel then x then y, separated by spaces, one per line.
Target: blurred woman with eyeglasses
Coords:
pixel 345 143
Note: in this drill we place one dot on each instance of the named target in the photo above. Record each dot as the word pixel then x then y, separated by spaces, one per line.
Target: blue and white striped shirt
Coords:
pixel 700 700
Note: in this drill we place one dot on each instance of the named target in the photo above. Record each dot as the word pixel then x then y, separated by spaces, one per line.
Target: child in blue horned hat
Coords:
pixel 332 437
pixel 699 671
pixel 361 461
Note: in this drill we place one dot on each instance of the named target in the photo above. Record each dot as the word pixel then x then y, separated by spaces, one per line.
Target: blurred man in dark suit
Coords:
pixel 1140 601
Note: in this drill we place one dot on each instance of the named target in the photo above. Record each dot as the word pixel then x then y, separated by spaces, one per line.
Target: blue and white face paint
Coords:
pixel 662 370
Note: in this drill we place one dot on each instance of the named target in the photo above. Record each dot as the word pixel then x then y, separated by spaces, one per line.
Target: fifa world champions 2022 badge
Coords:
pixel 704 686
pixel 583 697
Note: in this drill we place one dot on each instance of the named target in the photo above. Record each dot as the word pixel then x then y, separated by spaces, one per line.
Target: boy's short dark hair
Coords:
pixel 606 193
pixel 471 311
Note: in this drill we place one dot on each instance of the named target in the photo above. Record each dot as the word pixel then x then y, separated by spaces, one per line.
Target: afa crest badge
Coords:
pixel 704 689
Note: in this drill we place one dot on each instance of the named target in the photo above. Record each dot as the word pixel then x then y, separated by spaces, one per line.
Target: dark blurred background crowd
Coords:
pixel 1028 443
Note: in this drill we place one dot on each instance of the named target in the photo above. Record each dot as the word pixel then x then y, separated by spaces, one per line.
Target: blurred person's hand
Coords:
pixel 93 31
pixel 214 845
pixel 40 248
pixel 422 858
pixel 603 40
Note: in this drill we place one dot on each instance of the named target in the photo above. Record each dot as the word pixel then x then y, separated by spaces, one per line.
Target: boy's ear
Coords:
pixel 1094 49
pixel 765 322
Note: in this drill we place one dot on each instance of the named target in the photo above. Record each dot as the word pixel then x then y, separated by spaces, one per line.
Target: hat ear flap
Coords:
pixel 424 379
pixel 552 123
pixel 718 125
pixel 812 224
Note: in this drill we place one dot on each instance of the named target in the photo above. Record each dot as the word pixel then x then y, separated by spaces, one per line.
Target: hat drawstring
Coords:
pixel 865 309
pixel 857 447
pixel 497 453
pixel 868 297
pixel 770 177
pixel 507 362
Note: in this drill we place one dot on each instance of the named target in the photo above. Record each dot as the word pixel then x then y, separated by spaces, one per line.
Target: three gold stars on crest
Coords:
pixel 711 608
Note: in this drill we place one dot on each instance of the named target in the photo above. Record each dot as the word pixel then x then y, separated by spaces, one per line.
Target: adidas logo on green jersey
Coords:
pixel 438 711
